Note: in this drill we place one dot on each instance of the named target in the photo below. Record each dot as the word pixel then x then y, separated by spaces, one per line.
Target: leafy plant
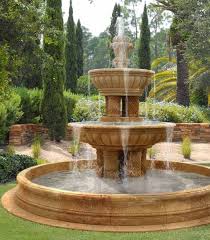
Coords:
pixel 36 147
pixel 186 147
pixel 88 110
pixel 74 147
pixel 151 153
pixel 10 150
pixel 10 166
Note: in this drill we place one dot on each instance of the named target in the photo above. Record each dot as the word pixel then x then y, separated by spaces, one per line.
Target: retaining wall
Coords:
pixel 23 134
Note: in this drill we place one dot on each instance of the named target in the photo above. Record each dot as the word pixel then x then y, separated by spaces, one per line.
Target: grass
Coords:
pixel 186 147
pixel 13 228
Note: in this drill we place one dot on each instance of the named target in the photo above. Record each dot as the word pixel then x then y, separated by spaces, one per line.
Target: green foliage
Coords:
pixel 79 50
pixel 144 46
pixel 10 150
pixel 20 31
pixel 74 147
pixel 10 113
pixel 36 147
pixel 40 161
pixel 97 52
pixel 88 110
pixel 71 54
pixel 186 147
pixel 151 153
pixel 113 27
pixel 4 74
pixel 170 112
pixel 53 103
pixel 70 102
pixel 11 165
pixel 85 87
pixel 30 105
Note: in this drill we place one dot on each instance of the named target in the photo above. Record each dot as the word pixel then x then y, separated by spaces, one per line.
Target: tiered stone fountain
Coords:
pixel 122 88
pixel 141 196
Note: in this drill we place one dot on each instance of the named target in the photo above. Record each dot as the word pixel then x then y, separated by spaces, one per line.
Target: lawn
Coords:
pixel 13 228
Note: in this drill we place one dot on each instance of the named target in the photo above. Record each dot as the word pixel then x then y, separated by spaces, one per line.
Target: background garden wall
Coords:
pixel 23 134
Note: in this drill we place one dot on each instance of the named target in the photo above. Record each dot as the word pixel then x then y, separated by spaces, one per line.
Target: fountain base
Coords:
pixel 108 212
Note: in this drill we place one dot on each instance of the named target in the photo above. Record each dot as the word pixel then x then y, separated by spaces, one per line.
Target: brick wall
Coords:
pixel 198 132
pixel 23 134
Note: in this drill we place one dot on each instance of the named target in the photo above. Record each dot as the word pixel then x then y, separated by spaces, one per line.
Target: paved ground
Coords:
pixel 58 152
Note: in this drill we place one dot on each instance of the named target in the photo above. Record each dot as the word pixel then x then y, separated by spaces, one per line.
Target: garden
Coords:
pixel 107 131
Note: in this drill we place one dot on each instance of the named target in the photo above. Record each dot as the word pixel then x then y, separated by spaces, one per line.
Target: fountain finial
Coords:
pixel 121 46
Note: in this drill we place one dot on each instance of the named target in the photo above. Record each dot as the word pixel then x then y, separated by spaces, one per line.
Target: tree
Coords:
pixel 80 51
pixel 113 27
pixel 4 74
pixel 159 22
pixel 178 39
pixel 53 107
pixel 130 14
pixel 70 52
pixel 144 45
pixel 20 30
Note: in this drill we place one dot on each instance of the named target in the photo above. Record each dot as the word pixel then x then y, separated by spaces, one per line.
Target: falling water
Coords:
pixel 168 147
pixel 146 104
pixel 125 139
pixel 76 132
pixel 154 99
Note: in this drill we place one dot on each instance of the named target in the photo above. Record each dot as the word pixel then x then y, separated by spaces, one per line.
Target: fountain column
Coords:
pixel 136 163
pixel 111 164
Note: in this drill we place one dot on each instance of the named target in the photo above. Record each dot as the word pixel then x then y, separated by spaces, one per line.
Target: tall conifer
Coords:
pixel 80 51
pixel 113 27
pixel 70 52
pixel 53 107
pixel 144 57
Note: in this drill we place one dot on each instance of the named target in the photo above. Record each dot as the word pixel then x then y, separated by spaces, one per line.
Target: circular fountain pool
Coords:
pixel 178 201
pixel 154 181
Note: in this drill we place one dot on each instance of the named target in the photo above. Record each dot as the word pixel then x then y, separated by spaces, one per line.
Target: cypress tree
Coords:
pixel 53 106
pixel 80 51
pixel 113 27
pixel 71 54
pixel 144 57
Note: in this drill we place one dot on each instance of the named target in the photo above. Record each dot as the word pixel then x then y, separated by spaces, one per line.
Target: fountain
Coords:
pixel 121 190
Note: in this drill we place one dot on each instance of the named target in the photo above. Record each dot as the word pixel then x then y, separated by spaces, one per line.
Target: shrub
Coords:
pixel 30 105
pixel 10 150
pixel 74 147
pixel 186 148
pixel 88 110
pixel 85 87
pixel 70 101
pixel 10 113
pixel 10 166
pixel 170 112
pixel 36 149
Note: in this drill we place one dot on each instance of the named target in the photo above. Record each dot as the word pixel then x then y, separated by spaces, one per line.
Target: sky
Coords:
pixel 96 16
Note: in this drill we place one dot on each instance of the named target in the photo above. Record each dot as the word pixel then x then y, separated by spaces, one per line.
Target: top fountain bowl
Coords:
pixel 121 81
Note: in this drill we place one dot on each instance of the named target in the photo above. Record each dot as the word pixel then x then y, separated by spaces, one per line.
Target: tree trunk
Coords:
pixel 182 77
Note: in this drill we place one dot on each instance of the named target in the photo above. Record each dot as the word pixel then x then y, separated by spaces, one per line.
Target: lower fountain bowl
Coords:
pixel 108 212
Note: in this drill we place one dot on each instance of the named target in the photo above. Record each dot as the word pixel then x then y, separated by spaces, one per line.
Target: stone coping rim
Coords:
pixel 103 125
pixel 10 205
pixel 121 70
pixel 23 179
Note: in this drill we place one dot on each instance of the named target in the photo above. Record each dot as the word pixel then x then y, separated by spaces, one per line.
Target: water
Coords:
pixel 155 181
pixel 121 124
